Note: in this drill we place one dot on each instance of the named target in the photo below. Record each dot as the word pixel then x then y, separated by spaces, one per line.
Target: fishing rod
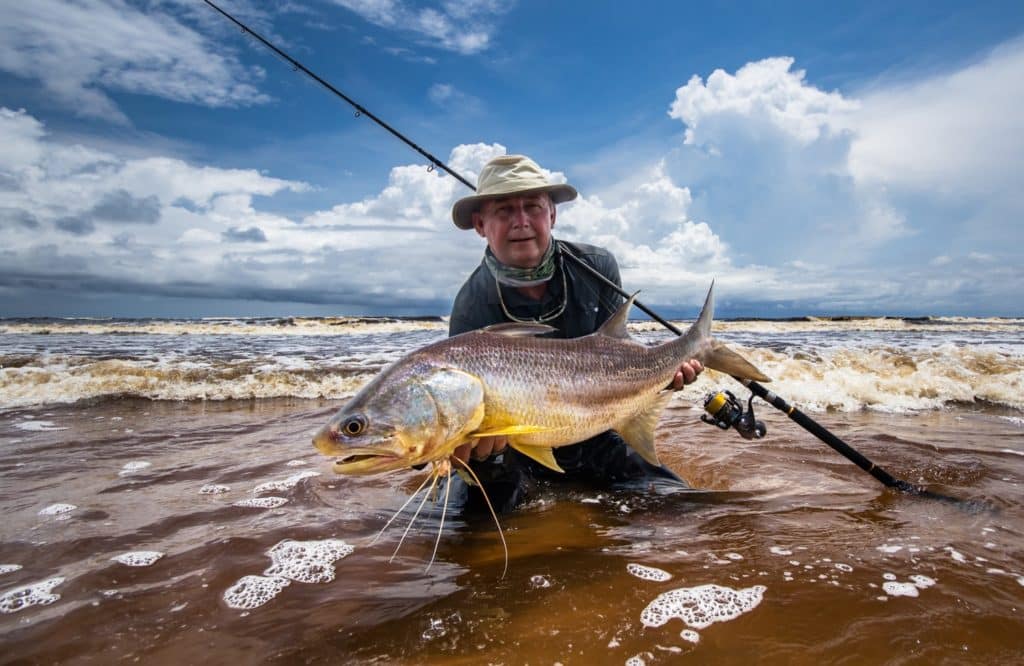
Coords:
pixel 360 109
pixel 727 411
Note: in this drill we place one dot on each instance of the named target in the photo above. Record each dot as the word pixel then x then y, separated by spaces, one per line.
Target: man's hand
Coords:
pixel 687 374
pixel 482 449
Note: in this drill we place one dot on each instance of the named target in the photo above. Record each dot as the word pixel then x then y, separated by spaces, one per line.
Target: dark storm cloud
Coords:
pixel 76 225
pixel 121 206
pixel 239 235
pixel 83 282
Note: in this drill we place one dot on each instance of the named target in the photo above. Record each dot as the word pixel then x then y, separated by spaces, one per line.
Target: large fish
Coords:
pixel 540 392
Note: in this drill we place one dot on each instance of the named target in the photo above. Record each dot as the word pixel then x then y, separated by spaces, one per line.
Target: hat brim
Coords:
pixel 462 211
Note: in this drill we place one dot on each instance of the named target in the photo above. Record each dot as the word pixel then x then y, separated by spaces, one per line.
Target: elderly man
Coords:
pixel 527 276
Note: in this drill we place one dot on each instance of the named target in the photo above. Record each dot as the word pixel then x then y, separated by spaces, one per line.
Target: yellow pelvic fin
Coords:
pixel 639 432
pixel 465 477
pixel 545 455
pixel 509 430
pixel 725 360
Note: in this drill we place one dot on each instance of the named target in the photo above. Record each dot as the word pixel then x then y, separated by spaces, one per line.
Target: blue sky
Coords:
pixel 812 158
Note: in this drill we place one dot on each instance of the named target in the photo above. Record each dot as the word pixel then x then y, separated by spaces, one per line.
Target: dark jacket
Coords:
pixel 588 306
pixel 604 459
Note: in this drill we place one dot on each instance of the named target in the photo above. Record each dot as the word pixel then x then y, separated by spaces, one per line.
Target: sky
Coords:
pixel 844 158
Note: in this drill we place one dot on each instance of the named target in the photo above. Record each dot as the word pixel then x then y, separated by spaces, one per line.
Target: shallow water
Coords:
pixel 786 513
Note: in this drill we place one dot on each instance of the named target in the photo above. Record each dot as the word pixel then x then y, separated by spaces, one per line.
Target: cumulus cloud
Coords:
pixel 81 50
pixel 902 184
pixel 464 27
pixel 768 90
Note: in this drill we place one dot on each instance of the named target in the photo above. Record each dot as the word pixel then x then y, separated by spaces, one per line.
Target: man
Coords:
pixel 528 276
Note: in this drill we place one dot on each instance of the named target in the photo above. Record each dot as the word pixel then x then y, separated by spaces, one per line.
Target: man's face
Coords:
pixel 517 228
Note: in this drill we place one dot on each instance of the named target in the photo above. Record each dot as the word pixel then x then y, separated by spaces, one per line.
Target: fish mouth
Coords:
pixel 366 461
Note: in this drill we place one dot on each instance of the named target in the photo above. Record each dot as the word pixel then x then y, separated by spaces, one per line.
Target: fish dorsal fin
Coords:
pixel 615 327
pixel 518 330
pixel 639 431
pixel 545 455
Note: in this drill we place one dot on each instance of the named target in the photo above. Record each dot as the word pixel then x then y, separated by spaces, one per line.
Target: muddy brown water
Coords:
pixel 846 571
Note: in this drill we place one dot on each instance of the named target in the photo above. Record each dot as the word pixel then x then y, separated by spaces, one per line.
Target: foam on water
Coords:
pixel 922 582
pixel 300 561
pixel 779 550
pixel 956 555
pixel 34 594
pixel 284 484
pixel 134 466
pixel 138 558
pixel 213 489
pixel 37 426
pixel 9 568
pixel 648 573
pixel 57 509
pixel 690 635
pixel 262 502
pixel 895 589
pixel 538 581
pixel 253 591
pixel 307 561
pixel 700 607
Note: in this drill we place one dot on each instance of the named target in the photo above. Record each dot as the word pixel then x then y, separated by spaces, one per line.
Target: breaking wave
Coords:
pixel 848 364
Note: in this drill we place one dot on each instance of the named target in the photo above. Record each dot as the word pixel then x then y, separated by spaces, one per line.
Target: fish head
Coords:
pixel 404 417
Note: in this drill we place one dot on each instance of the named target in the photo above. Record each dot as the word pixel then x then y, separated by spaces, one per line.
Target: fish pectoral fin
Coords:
pixel 725 360
pixel 545 455
pixel 639 431
pixel 518 329
pixel 509 430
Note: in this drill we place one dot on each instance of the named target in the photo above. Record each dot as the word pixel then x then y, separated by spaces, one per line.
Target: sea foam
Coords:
pixel 648 573
pixel 702 606
pixel 34 594
pixel 300 561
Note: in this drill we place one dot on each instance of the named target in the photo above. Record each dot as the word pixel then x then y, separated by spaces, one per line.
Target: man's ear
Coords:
pixel 478 224
pixel 553 214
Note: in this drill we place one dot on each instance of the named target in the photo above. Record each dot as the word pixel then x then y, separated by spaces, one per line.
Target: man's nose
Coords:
pixel 519 216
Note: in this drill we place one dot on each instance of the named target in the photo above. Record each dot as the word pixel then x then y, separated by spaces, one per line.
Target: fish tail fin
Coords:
pixel 723 359
pixel 714 354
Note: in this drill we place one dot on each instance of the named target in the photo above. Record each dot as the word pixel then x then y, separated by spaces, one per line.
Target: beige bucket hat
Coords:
pixel 507 175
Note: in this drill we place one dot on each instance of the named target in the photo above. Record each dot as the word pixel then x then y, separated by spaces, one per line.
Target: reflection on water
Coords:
pixel 141 566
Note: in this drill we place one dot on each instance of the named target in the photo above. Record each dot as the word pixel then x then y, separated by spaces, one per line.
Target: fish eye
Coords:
pixel 354 425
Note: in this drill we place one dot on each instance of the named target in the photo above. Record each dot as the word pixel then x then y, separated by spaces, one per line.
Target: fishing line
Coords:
pixel 795 414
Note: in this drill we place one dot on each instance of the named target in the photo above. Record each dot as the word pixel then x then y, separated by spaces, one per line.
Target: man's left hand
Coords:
pixel 687 374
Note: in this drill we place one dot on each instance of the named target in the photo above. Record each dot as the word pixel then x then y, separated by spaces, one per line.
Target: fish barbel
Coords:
pixel 540 392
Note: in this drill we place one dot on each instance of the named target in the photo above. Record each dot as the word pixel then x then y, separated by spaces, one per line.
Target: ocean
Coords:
pixel 162 502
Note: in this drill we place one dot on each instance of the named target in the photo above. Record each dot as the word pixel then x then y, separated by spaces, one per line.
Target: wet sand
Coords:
pixel 851 572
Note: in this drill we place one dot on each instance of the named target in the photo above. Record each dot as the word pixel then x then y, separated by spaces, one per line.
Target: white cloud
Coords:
pixel 79 50
pixel 955 134
pixel 766 89
pixel 447 96
pixel 463 27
